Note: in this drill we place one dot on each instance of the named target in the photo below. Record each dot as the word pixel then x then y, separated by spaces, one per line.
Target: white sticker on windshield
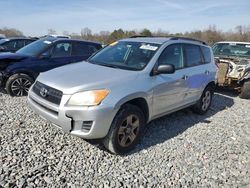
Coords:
pixel 232 44
pixel 247 46
pixel 148 47
pixel 47 42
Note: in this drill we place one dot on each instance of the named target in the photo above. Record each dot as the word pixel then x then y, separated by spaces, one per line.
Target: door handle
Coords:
pixel 184 77
pixel 207 72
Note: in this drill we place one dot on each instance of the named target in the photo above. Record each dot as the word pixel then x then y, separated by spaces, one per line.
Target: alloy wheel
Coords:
pixel 128 131
pixel 20 86
pixel 206 100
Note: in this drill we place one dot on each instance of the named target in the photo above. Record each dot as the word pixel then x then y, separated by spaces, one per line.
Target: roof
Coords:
pixel 161 40
pixel 156 40
pixel 69 39
pixel 14 38
pixel 234 42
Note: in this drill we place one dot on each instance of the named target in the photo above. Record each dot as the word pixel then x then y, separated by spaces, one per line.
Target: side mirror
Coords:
pixel 45 56
pixel 2 49
pixel 165 69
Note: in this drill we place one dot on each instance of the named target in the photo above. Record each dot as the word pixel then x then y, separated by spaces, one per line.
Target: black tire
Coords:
pixel 115 140
pixel 204 103
pixel 19 84
pixel 245 90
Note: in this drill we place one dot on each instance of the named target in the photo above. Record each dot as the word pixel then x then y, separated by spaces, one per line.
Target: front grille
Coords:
pixel 51 94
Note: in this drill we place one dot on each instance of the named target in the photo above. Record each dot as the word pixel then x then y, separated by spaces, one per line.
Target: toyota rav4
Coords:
pixel 124 86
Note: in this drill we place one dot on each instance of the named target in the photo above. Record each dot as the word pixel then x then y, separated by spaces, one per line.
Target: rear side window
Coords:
pixel 206 54
pixel 173 54
pixel 193 55
pixel 19 44
pixel 83 49
pixel 28 42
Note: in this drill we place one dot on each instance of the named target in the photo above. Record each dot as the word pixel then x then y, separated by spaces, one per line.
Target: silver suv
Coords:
pixel 124 86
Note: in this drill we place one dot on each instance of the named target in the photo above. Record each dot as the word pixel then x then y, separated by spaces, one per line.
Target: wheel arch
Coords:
pixel 140 100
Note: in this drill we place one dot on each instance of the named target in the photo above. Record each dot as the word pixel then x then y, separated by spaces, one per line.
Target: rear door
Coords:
pixel 197 71
pixel 170 89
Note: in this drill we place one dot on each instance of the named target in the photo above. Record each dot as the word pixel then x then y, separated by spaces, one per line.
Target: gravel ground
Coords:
pixel 179 150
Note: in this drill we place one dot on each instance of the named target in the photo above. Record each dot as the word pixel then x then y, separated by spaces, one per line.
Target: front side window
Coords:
pixel 10 45
pixel 193 55
pixel 61 50
pixel 126 55
pixel 173 54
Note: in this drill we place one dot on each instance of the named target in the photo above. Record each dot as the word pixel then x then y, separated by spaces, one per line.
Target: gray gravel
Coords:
pixel 179 150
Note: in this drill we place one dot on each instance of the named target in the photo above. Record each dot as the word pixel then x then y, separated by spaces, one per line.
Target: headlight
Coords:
pixel 88 98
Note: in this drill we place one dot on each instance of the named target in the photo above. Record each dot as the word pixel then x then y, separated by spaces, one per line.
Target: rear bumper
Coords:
pixel 72 119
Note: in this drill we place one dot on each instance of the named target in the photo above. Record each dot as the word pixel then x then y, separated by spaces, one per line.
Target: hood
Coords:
pixel 8 56
pixel 235 59
pixel 85 76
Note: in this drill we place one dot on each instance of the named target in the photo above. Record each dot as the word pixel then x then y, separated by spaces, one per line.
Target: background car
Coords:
pixel 233 60
pixel 2 36
pixel 19 70
pixel 14 44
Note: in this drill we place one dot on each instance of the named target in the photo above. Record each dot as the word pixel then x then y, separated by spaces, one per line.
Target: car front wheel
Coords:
pixel 18 85
pixel 125 130
pixel 245 90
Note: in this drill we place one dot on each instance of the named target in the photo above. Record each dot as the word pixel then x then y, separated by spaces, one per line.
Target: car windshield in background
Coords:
pixel 232 49
pixel 125 55
pixel 3 41
pixel 35 48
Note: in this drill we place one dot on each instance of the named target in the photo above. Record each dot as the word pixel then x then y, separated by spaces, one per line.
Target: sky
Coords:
pixel 35 17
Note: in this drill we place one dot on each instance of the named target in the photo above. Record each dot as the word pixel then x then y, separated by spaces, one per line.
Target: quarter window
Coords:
pixel 193 55
pixel 206 53
pixel 173 54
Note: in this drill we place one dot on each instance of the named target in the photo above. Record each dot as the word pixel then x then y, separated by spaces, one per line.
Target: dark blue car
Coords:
pixel 19 70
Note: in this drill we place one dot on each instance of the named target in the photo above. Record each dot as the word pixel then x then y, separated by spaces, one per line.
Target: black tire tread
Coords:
pixel 109 140
pixel 245 90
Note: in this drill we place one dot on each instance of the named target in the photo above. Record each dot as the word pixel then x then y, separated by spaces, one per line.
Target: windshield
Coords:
pixel 125 55
pixel 35 48
pixel 232 49
pixel 3 41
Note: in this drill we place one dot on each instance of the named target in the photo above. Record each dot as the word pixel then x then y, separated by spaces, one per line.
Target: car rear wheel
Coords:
pixel 204 103
pixel 245 90
pixel 18 85
pixel 125 130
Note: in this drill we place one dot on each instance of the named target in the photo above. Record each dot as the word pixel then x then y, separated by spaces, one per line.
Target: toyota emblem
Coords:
pixel 43 92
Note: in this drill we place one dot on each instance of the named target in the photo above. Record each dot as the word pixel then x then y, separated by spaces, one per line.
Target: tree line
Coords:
pixel 209 35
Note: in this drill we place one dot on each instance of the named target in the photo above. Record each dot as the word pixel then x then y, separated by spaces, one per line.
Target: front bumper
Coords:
pixel 1 79
pixel 72 119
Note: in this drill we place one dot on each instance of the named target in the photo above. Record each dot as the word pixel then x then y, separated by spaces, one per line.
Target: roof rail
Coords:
pixel 138 36
pixel 190 39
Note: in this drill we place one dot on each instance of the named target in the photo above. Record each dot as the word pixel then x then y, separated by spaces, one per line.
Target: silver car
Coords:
pixel 114 94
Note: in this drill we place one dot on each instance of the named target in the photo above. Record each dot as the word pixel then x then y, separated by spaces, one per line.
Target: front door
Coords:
pixel 60 55
pixel 169 90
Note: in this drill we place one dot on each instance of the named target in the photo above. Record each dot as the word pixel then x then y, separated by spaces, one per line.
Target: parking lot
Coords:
pixel 180 150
